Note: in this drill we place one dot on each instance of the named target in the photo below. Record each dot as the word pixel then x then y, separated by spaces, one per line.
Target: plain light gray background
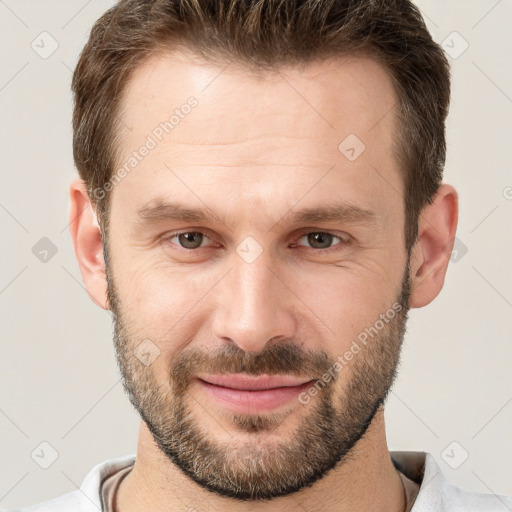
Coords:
pixel 58 378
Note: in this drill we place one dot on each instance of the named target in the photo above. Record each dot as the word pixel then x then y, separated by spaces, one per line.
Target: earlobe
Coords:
pixel 431 253
pixel 87 241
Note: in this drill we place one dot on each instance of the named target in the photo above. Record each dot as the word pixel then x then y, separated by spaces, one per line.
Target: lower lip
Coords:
pixel 254 402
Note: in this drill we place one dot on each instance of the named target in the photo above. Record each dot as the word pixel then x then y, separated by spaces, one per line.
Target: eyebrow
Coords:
pixel 158 210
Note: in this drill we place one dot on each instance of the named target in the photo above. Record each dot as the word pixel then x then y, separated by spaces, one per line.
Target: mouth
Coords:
pixel 253 394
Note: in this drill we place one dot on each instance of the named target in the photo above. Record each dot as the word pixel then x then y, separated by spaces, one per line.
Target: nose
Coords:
pixel 254 305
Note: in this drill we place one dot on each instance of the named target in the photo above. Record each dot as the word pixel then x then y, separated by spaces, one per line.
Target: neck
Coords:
pixel 367 480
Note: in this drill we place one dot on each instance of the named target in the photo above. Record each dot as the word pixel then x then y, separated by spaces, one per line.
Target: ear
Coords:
pixel 87 241
pixel 430 256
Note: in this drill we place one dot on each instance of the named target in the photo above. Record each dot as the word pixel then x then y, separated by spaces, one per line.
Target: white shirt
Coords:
pixel 435 494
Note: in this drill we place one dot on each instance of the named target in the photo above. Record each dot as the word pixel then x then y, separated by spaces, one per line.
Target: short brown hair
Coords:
pixel 263 35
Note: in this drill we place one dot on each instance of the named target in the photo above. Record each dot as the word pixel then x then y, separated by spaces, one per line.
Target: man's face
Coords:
pixel 266 286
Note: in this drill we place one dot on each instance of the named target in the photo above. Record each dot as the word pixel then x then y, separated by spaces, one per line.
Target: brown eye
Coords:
pixel 323 241
pixel 189 239
pixel 320 240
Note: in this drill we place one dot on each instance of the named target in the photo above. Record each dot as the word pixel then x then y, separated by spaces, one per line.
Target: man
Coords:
pixel 260 203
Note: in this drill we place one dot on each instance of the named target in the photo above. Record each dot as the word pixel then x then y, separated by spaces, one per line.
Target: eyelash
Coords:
pixel 344 241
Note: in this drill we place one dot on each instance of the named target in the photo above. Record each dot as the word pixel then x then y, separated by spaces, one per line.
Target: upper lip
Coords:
pixel 253 383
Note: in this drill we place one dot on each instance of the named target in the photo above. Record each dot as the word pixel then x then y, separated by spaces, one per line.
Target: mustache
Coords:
pixel 275 359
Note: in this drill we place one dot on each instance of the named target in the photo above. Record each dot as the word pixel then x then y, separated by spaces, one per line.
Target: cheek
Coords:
pixel 159 301
pixel 170 304
pixel 345 301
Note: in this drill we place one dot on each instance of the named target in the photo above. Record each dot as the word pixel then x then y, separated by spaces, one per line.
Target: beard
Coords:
pixel 258 465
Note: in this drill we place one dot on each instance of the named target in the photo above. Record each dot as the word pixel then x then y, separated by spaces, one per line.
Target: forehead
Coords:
pixel 247 128
pixel 327 97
